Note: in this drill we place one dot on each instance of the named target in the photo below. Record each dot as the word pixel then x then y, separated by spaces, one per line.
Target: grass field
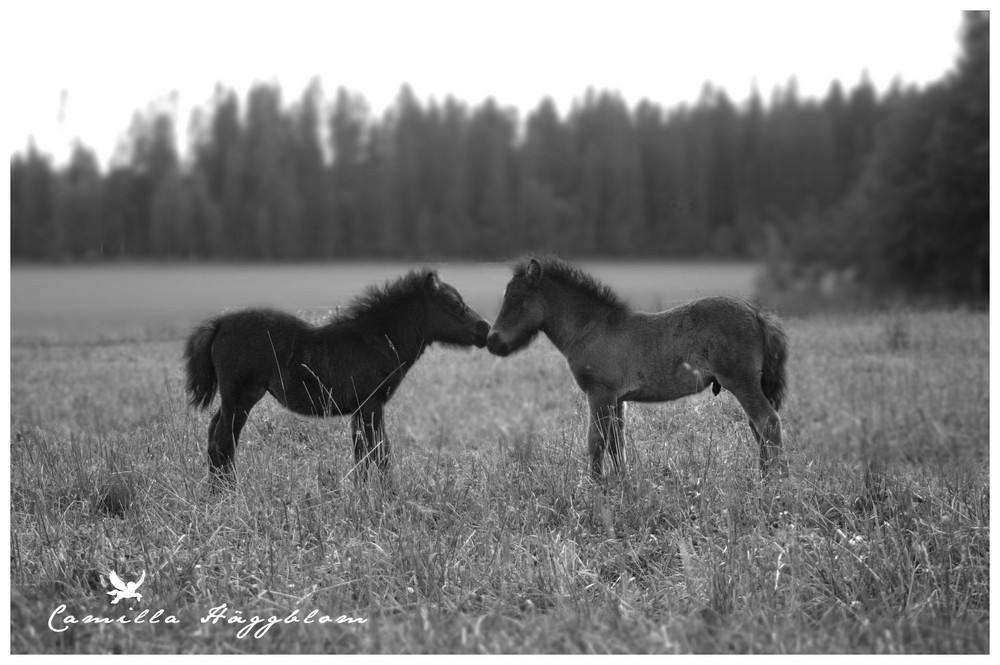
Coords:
pixel 494 539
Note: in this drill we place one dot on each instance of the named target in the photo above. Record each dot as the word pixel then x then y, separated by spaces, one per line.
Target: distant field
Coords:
pixel 495 540
pixel 95 301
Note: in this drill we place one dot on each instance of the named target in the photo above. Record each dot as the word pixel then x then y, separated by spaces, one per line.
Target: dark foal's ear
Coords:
pixel 432 282
pixel 533 273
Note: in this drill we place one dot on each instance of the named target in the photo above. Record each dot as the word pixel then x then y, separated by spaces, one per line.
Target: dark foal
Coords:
pixel 618 355
pixel 352 365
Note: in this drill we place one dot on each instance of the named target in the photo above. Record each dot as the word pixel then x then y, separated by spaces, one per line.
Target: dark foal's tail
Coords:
pixel 772 379
pixel 201 379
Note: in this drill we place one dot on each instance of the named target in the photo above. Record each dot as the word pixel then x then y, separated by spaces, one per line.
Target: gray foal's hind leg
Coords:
pixel 765 425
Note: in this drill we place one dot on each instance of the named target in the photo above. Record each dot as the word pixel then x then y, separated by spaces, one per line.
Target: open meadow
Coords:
pixel 493 538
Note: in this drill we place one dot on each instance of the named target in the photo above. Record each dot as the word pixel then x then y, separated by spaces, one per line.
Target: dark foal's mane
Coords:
pixel 563 273
pixel 378 303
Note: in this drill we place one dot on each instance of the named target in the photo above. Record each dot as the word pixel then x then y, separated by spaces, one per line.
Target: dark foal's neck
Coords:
pixel 404 330
pixel 398 324
pixel 571 314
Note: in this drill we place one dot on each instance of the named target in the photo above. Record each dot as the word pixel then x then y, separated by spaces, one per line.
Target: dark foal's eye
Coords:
pixel 456 304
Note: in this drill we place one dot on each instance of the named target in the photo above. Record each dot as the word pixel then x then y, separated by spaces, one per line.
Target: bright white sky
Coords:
pixel 114 57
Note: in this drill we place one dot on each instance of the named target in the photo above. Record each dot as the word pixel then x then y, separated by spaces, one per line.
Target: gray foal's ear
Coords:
pixel 432 282
pixel 533 273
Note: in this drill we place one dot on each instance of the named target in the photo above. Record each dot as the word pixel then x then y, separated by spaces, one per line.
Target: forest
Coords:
pixel 893 187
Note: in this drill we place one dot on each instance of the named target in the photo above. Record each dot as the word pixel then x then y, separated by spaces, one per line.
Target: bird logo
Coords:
pixel 123 590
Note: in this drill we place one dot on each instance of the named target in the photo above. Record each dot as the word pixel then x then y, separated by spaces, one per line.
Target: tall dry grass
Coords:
pixel 493 539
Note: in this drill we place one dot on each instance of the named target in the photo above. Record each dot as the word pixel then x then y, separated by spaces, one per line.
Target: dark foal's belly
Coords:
pixel 306 404
pixel 309 398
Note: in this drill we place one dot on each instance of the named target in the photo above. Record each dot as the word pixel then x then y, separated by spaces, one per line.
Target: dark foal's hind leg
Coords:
pixel 224 432
pixel 606 431
pixel 765 425
pixel 211 427
pixel 215 459
pixel 224 436
pixel 219 456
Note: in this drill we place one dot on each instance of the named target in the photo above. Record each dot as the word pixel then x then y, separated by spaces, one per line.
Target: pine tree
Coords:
pixel 218 159
pixel 306 174
pixel 149 155
pixel 32 200
pixel 919 215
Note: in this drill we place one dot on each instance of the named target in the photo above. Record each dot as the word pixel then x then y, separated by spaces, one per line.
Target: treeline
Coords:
pixel 323 178
pixel 882 183
pixel 916 220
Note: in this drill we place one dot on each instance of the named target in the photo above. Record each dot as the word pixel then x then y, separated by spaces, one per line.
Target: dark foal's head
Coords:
pixel 522 312
pixel 449 319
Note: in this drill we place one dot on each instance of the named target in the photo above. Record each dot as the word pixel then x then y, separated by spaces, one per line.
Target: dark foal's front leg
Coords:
pixel 606 431
pixel 360 446
pixel 371 445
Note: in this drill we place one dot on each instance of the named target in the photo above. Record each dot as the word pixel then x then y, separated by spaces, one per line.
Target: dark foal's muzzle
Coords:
pixel 482 333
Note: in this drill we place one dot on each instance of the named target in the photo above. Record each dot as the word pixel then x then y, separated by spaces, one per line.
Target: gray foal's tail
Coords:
pixel 201 379
pixel 772 379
